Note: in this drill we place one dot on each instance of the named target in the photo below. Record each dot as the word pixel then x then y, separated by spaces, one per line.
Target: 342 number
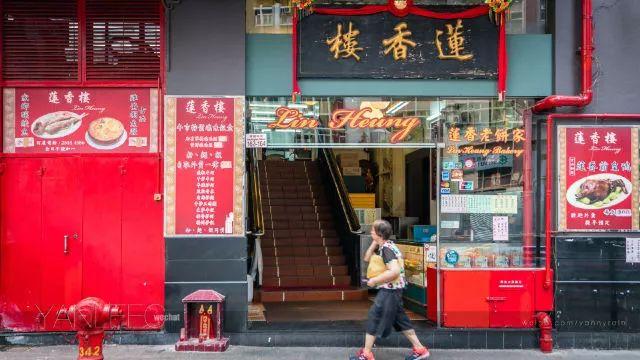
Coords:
pixel 90 351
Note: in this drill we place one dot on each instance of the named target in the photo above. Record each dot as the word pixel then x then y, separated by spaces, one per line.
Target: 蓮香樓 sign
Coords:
pixel 598 178
pixel 204 167
pixel 383 45
pixel 80 120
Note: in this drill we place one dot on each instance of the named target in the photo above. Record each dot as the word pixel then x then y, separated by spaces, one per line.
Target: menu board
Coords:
pixel 598 175
pixel 479 204
pixel 204 166
pixel 80 120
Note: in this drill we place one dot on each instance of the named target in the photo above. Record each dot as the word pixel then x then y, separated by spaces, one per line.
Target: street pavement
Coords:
pixel 245 353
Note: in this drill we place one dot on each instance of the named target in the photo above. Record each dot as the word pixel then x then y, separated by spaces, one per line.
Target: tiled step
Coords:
pixel 302 250
pixel 305 270
pixel 299 233
pixel 306 281
pixel 269 216
pixel 313 295
pixel 304 260
pixel 270 242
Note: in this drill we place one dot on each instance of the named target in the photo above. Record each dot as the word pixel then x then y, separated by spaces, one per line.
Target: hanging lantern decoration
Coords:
pixel 302 4
pixel 497 9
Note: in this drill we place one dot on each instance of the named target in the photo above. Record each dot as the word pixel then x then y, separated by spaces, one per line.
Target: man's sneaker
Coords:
pixel 418 354
pixel 362 356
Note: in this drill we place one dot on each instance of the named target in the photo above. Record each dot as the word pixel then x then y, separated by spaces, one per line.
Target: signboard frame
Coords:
pixel 561 182
pixel 239 173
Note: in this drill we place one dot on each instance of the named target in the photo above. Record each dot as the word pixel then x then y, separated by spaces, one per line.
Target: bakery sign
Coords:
pixel 80 120
pixel 204 166
pixel 598 178
pixel 365 118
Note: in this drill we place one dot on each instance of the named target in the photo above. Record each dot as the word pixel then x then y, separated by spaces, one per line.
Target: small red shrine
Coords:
pixel 203 317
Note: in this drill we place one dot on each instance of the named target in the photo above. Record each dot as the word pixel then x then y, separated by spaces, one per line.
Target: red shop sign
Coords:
pixel 599 177
pixel 80 120
pixel 204 167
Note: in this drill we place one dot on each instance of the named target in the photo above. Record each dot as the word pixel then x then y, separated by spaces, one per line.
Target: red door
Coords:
pixel 20 243
pixel 511 299
pixel 142 245
pixel 61 246
pixel 102 228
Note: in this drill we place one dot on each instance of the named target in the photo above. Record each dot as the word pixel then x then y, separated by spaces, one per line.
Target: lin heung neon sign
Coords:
pixel 401 127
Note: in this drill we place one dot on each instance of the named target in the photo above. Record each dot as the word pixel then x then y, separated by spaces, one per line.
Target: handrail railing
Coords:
pixel 341 188
pixel 257 228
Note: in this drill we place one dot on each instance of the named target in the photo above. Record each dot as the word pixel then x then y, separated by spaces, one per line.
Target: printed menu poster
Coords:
pixel 598 178
pixel 80 120
pixel 204 166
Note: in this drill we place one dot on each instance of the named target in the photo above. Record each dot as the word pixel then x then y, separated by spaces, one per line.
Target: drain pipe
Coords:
pixel 585 97
pixel 544 323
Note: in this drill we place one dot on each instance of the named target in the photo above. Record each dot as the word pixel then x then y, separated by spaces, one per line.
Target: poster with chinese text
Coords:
pixel 598 178
pixel 204 167
pixel 80 120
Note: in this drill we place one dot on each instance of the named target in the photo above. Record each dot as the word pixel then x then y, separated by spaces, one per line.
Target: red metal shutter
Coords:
pixel 123 39
pixel 40 40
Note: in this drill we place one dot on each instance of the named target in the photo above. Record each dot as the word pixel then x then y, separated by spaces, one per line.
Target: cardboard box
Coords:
pixel 368 216
pixel 367 201
pixel 423 233
pixel 351 171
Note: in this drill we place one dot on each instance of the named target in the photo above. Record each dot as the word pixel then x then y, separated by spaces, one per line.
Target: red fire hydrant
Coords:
pixel 545 324
pixel 89 317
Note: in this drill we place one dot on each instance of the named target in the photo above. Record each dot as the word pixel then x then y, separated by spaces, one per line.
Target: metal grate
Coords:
pixel 123 39
pixel 40 40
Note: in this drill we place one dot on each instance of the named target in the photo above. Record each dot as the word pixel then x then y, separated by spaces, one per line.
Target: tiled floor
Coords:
pixel 315 311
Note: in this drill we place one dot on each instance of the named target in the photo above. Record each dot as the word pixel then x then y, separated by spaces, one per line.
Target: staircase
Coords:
pixel 302 255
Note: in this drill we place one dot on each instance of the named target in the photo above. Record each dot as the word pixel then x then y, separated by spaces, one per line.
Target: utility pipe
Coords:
pixel 585 97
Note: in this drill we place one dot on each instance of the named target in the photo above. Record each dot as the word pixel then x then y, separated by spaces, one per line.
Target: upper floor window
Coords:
pixel 274 16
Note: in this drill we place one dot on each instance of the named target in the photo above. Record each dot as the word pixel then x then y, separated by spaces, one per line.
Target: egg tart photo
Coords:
pixel 106 130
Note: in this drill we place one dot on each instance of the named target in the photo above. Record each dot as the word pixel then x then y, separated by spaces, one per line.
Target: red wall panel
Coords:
pixel 465 299
pixel 142 245
pixel 20 252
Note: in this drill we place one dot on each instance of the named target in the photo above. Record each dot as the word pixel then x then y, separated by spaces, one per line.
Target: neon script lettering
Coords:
pixel 401 127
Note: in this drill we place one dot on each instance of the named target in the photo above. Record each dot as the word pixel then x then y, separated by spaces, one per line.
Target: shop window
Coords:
pixel 121 38
pixel 482 179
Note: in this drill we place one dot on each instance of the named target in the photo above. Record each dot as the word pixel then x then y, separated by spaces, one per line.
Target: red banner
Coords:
pixel 204 166
pixel 598 178
pixel 80 120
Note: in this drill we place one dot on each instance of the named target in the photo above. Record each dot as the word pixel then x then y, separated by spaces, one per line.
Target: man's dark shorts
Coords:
pixel 387 312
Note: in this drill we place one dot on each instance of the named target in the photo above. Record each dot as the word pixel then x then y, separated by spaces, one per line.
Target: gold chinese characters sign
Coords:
pixel 204 166
pixel 385 46
pixel 485 141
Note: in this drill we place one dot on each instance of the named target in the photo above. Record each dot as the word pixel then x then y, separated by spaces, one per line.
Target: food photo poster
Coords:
pixel 598 178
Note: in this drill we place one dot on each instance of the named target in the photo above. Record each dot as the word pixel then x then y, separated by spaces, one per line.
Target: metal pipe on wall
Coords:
pixel 586 95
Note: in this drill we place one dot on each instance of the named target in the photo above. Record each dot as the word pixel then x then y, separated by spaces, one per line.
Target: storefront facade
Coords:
pixel 490 222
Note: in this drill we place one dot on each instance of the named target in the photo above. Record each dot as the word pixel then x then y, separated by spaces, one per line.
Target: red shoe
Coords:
pixel 360 355
pixel 419 354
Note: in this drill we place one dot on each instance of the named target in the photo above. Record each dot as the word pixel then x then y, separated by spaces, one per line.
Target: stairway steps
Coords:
pixel 301 248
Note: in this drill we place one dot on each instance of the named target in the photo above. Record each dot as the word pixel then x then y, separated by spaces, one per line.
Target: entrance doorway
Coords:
pixel 318 205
